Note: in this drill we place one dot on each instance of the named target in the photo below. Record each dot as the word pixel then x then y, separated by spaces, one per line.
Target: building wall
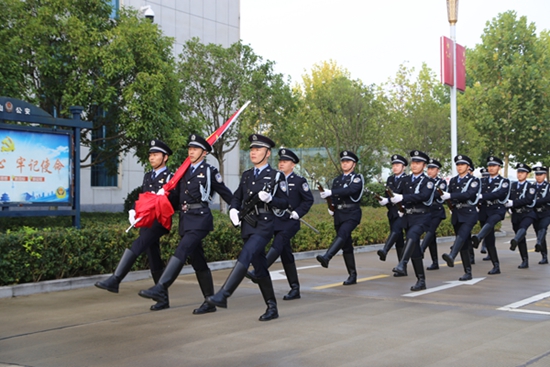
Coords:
pixel 212 21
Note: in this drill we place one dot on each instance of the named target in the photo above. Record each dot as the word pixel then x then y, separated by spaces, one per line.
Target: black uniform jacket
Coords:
pixel 300 200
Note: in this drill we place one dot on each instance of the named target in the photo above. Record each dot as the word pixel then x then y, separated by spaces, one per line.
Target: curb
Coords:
pixel 57 285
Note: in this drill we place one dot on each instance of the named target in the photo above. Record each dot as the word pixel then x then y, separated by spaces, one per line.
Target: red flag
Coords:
pixel 446 53
pixel 151 206
pixel 460 68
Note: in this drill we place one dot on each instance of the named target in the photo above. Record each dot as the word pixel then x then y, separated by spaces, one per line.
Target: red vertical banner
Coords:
pixel 460 68
pixel 446 48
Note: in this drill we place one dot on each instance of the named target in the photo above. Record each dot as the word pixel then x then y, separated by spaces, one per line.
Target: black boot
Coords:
pixel 472 256
pixel 541 237
pixel 382 253
pixel 520 235
pixel 332 250
pixel 544 251
pixel 292 277
pixel 125 264
pixel 159 292
pixel 349 260
pixel 467 274
pixel 426 242
pixel 524 256
pixel 401 268
pixel 266 287
pixel 494 258
pixel 465 256
pixel 544 259
pixel 476 240
pixel 419 271
pixel 484 250
pixel 450 258
pixel 524 263
pixel 206 283
pixel 159 305
pixel 270 258
pixel 231 283
pixel 400 251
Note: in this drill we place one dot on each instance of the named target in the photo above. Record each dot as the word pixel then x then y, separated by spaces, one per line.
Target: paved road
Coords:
pixel 499 320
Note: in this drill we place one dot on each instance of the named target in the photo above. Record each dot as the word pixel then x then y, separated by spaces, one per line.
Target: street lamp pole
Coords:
pixel 452 13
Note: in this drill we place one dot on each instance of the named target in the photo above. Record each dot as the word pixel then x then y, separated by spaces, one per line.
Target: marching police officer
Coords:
pixel 346 193
pixel 149 238
pixel 417 196
pixel 193 193
pixel 523 197
pixel 437 213
pixel 287 224
pixel 542 208
pixel 261 190
pixel 463 191
pixel 396 226
pixel 495 191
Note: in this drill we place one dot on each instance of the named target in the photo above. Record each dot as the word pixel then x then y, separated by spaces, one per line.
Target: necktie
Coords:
pixel 193 169
pixel 413 178
pixel 153 175
pixel 256 172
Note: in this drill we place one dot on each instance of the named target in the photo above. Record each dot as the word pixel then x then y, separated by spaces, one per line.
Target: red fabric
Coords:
pixel 151 206
pixel 446 61
pixel 460 68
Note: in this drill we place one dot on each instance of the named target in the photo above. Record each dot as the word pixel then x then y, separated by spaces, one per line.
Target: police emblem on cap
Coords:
pixel 491 158
pixel 431 160
pixel 193 137
pixel 394 157
pixel 416 152
pixel 521 165
pixel 152 142
pixel 283 151
pixel 459 157
pixel 345 153
pixel 254 137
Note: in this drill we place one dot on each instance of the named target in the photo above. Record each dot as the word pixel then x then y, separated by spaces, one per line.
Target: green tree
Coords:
pixel 338 114
pixel 215 81
pixel 62 53
pixel 509 97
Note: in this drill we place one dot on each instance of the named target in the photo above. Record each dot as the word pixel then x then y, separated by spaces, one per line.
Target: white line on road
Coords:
pixel 514 307
pixel 280 274
pixel 451 284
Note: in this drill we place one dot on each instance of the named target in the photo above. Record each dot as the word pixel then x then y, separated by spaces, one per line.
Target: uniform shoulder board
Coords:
pixel 474 184
pixel 305 187
pixel 532 190
pixel 430 185
pixel 282 185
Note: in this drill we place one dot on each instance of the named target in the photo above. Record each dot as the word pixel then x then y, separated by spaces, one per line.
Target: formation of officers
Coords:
pixel 270 203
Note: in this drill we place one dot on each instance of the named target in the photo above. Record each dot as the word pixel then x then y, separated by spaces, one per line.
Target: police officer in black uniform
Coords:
pixel 523 197
pixel 261 190
pixel 346 193
pixel 393 182
pixel 437 213
pixel 463 193
pixel 495 191
pixel 417 196
pixel 542 208
pixel 149 238
pixel 287 223
pixel 193 193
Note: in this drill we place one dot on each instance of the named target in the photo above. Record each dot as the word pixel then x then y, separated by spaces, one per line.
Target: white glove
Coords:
pixel 234 216
pixel 397 198
pixel 161 191
pixel 480 196
pixel 132 216
pixel 331 212
pixel 509 203
pixel 383 201
pixel 450 212
pixel 325 194
pixel 400 213
pixel 445 196
pixel 265 196
pixel 294 216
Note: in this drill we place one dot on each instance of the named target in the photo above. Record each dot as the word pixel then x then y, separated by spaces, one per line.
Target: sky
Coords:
pixel 369 38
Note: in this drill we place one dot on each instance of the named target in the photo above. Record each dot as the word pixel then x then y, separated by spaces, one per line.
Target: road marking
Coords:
pixel 358 281
pixel 514 307
pixel 280 274
pixel 451 284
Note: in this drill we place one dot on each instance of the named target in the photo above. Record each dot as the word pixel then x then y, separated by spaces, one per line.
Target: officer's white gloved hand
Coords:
pixel 325 194
pixel 132 216
pixel 331 212
pixel 450 212
pixel 265 196
pixel 509 203
pixel 294 215
pixel 383 201
pixel 480 196
pixel 445 196
pixel 397 198
pixel 161 191
pixel 400 213
pixel 234 216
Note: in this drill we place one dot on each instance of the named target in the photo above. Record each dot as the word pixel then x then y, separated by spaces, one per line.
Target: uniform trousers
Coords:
pixel 149 242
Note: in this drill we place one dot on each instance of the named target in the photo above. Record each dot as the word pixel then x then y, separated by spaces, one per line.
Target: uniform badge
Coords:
pixel 218 177
pixel 357 179
pixel 532 190
pixel 161 181
pixel 442 186
pixel 152 143
pixel 193 137
pixel 305 187
pixel 430 185
pixel 282 185
pixel 505 184
pixel 474 184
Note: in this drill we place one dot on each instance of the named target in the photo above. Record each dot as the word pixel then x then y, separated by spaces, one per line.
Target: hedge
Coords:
pixel 45 248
